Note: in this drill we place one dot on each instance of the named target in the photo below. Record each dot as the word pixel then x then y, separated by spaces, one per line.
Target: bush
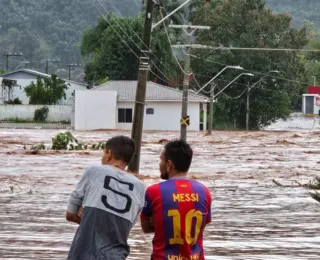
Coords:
pixel 315 185
pixel 64 141
pixel 38 147
pixel 41 114
pixel 16 101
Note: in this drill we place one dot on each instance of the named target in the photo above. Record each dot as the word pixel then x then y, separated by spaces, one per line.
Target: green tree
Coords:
pixel 47 91
pixel 115 59
pixel 311 59
pixel 248 23
pixel 52 29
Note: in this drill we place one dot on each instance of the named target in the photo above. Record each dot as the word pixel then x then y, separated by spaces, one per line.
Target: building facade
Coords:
pixel 113 102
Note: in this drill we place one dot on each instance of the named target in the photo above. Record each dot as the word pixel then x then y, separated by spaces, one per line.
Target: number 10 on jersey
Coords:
pixel 177 232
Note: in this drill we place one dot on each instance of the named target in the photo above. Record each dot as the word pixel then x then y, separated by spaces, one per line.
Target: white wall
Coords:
pixel 56 113
pixel 166 116
pixel 95 110
pixel 24 79
pixel 18 92
pixel 72 86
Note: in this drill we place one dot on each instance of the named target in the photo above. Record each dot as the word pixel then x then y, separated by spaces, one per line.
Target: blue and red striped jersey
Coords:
pixel 180 208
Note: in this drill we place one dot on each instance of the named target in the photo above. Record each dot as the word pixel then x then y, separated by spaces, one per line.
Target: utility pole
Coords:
pixel 137 124
pixel 72 66
pixel 211 110
pixel 248 96
pixel 248 108
pixel 7 55
pixel 185 120
pixel 47 64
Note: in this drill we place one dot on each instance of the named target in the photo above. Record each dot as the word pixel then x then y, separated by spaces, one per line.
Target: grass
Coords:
pixel 18 120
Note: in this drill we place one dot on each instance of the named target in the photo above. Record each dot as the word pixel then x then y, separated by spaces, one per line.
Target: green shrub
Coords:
pixel 64 141
pixel 38 147
pixel 16 101
pixel 41 114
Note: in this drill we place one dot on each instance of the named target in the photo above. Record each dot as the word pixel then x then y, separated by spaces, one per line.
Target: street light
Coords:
pixel 79 76
pixel 242 74
pixel 23 62
pixel 212 96
pixel 227 67
pixel 248 96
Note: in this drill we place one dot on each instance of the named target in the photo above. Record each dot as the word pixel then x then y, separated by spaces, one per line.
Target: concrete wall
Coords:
pixel 95 110
pixel 24 79
pixel 72 87
pixel 56 113
pixel 166 116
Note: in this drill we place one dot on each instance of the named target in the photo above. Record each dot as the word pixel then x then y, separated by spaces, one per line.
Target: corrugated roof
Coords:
pixel 126 90
pixel 40 74
pixel 34 72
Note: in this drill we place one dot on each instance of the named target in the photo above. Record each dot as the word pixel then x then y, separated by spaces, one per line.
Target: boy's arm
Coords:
pixel 76 199
pixel 73 217
pixel 146 215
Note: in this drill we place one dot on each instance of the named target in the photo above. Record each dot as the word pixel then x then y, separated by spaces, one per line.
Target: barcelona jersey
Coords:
pixel 180 209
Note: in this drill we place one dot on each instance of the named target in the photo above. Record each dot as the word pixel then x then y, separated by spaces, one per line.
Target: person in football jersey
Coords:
pixel 178 209
pixel 112 200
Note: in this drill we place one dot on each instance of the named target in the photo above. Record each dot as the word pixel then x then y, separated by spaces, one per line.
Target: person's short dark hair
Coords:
pixel 122 148
pixel 180 153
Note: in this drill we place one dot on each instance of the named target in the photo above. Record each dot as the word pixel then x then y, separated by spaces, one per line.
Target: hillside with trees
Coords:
pixel 53 29
pixel 300 10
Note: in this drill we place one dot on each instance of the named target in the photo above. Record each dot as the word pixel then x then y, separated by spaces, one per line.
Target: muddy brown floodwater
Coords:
pixel 252 217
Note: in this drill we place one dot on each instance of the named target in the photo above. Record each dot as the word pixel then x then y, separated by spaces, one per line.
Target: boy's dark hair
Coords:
pixel 122 148
pixel 180 153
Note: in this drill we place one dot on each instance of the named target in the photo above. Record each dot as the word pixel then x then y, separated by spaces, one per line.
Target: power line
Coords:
pixel 255 72
pixel 47 64
pixel 7 55
pixel 241 48
pixel 174 55
pixel 130 28
pixel 121 38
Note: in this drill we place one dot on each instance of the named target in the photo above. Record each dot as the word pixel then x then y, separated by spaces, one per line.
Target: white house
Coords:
pixel 24 77
pixel 111 106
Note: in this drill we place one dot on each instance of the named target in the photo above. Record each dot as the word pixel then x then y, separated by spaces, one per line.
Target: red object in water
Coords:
pixel 314 90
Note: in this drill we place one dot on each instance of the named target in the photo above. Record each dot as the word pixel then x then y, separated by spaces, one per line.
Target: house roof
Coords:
pixel 33 72
pixel 126 91
pixel 40 74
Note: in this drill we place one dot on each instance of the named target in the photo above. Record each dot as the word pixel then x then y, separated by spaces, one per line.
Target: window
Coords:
pixel 125 115
pixel 150 111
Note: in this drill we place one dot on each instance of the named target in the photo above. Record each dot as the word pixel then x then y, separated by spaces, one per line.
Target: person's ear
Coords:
pixel 169 166
pixel 109 154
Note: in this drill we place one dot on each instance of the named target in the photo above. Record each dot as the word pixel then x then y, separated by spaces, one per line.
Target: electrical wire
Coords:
pixel 176 59
pixel 121 38
pixel 255 72
pixel 130 28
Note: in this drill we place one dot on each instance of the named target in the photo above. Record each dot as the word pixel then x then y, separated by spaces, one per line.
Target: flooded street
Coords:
pixel 252 217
